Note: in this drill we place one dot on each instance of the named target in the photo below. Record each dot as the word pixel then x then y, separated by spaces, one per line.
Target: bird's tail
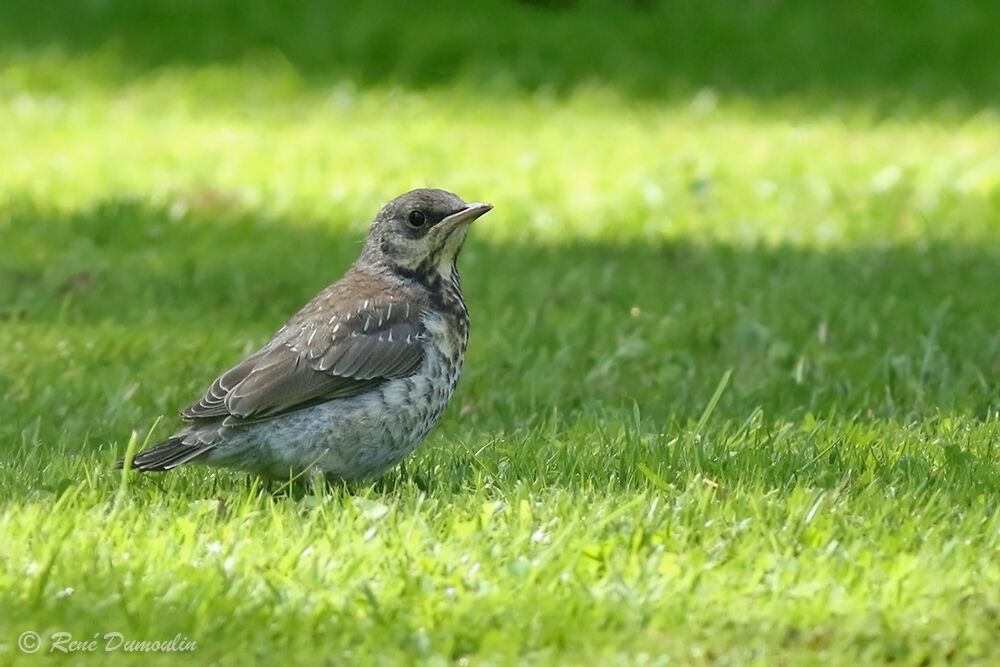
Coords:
pixel 167 455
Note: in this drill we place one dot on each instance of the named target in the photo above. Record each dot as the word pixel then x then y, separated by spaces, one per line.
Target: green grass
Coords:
pixel 733 384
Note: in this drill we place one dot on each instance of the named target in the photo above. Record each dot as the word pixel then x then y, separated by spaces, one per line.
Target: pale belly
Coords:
pixel 350 438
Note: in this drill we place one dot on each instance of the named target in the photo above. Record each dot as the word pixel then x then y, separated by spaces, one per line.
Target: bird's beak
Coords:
pixel 467 214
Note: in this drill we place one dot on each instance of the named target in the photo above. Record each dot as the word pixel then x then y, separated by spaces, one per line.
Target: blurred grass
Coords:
pixel 896 51
pixel 807 195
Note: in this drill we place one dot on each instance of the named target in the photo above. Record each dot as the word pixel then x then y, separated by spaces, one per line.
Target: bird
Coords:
pixel 357 378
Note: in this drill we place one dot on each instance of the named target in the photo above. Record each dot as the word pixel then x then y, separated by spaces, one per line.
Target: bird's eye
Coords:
pixel 416 218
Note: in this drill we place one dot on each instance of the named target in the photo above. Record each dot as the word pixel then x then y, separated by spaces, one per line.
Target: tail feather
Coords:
pixel 167 455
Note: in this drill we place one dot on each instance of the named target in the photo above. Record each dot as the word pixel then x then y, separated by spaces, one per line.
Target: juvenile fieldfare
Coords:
pixel 354 381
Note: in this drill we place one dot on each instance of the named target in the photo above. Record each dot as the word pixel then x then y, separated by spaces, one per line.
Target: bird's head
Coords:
pixel 420 231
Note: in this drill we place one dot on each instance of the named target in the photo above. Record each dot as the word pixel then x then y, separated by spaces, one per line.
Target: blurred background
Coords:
pixel 805 193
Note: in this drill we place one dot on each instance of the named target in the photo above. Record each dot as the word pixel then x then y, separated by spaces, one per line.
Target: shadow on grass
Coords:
pixel 149 309
pixel 589 365
pixel 928 52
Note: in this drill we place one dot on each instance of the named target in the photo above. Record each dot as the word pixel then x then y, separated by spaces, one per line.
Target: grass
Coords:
pixel 733 385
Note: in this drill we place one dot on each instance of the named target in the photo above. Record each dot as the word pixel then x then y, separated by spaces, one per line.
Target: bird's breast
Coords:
pixel 447 339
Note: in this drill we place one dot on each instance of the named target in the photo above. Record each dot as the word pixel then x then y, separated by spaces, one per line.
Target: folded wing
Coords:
pixel 316 359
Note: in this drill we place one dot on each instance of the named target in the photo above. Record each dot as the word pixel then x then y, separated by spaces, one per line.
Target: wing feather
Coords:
pixel 312 361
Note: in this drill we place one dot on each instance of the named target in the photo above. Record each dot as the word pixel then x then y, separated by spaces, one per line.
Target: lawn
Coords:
pixel 733 388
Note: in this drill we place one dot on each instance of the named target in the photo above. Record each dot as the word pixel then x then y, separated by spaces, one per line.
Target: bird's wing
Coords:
pixel 318 356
